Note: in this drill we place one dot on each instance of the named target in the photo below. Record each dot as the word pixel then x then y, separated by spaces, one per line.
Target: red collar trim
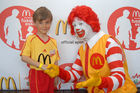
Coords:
pixel 42 40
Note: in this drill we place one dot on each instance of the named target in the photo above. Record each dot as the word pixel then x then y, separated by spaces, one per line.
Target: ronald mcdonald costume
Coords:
pixel 97 62
pixel 45 53
pixel 101 58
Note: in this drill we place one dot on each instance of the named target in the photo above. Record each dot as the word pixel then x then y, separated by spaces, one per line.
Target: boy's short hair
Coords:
pixel 42 13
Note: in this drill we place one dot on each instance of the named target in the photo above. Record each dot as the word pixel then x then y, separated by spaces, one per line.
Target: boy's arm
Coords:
pixel 56 63
pixel 30 61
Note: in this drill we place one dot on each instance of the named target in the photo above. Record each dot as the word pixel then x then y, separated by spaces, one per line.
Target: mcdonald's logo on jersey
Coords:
pixel 44 58
pixel 97 61
pixel 26 13
pixel 7 82
pixel 64 26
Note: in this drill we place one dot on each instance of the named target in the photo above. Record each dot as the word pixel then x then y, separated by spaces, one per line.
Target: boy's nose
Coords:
pixel 44 25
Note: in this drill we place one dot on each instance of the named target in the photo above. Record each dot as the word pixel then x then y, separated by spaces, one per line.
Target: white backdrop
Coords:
pixel 109 12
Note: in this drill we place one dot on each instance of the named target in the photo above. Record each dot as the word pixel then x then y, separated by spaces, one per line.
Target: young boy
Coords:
pixel 40 50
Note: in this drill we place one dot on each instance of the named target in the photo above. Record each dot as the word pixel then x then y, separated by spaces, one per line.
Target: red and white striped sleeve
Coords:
pixel 75 73
pixel 115 63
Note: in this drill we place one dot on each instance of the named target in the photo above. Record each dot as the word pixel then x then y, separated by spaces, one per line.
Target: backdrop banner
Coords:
pixel 120 18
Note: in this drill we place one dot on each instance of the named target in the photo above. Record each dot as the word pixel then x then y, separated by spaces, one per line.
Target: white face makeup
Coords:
pixel 81 29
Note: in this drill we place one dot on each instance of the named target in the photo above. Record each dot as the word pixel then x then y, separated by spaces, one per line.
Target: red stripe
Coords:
pixel 22 49
pixel 119 72
pixel 115 64
pixel 79 72
pixel 32 38
pixel 92 91
pixel 75 78
pixel 110 84
pixel 42 40
pixel 78 53
pixel 107 44
pixel 104 83
pixel 58 54
pixel 78 62
pixel 36 80
pixel 86 60
pixel 63 74
pixel 114 50
pixel 119 79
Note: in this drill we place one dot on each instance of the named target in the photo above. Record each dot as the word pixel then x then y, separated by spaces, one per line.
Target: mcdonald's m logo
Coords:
pixel 26 13
pixel 7 82
pixel 44 58
pixel 97 61
pixel 136 14
pixel 64 26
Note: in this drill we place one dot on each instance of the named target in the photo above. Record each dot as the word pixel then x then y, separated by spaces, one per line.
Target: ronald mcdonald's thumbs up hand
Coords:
pixel 91 82
pixel 52 70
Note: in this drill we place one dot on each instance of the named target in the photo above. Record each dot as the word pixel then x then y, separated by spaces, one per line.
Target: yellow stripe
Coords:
pixel 36 80
pixel 19 82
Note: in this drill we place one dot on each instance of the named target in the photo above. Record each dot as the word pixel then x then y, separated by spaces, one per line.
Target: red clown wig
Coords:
pixel 87 15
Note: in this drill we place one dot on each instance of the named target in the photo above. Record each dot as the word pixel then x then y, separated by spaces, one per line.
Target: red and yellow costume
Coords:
pixel 43 52
pixel 106 57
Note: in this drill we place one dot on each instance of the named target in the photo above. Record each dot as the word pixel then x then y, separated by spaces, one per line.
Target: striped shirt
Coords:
pixel 115 62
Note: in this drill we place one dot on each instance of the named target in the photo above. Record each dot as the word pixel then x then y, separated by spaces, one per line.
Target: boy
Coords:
pixel 101 58
pixel 40 50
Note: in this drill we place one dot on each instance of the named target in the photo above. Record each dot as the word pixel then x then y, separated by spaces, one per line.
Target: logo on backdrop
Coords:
pixel 124 24
pixel 16 24
pixel 7 82
pixel 136 78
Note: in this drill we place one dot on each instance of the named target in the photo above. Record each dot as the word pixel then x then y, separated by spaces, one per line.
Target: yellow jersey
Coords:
pixel 40 51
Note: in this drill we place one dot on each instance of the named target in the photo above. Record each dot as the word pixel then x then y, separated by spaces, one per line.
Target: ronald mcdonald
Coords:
pixel 100 58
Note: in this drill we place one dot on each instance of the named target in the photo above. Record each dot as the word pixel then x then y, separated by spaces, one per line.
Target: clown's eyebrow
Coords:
pixel 73 24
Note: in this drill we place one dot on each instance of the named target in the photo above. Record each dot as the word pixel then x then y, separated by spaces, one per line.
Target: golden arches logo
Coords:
pixel 26 13
pixel 136 14
pixel 7 82
pixel 96 61
pixel 64 26
pixel 44 58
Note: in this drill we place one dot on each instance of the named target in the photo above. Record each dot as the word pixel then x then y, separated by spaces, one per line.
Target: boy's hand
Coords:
pixel 91 82
pixel 44 67
pixel 52 70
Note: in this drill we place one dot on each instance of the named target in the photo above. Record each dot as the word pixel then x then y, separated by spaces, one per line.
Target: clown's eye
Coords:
pixel 80 23
pixel 74 25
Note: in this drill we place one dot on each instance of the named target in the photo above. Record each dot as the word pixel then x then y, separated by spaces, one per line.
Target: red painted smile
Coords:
pixel 80 33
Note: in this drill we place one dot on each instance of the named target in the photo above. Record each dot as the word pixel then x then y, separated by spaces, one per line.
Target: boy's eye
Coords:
pixel 40 22
pixel 47 22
